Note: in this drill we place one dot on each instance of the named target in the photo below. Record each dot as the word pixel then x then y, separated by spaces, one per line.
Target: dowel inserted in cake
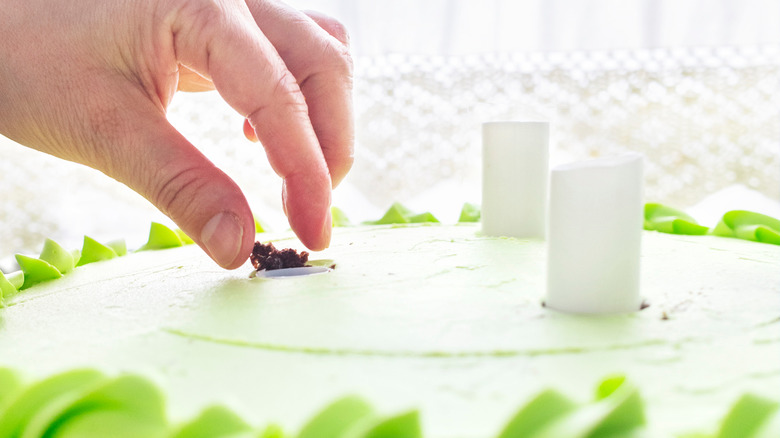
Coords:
pixel 594 236
pixel 515 171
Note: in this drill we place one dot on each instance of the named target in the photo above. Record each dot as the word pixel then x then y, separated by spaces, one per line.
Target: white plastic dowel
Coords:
pixel 515 171
pixel 594 236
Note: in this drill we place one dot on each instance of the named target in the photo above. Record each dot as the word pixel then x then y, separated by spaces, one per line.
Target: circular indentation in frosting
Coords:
pixel 294 272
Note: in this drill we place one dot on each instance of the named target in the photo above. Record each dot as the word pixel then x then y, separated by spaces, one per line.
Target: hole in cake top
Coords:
pixel 293 272
pixel 270 262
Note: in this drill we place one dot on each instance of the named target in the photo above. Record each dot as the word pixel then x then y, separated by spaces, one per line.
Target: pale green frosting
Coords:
pixel 438 318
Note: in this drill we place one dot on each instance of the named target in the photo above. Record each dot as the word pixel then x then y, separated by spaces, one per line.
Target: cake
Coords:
pixel 410 328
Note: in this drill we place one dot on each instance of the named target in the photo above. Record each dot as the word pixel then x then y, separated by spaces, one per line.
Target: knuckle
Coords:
pixel 200 11
pixel 337 58
pixel 336 29
pixel 330 25
pixel 283 100
pixel 334 62
pixel 195 20
pixel 345 58
pixel 175 193
pixel 287 92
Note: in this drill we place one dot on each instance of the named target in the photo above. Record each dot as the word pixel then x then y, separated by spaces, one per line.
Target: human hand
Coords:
pixel 90 82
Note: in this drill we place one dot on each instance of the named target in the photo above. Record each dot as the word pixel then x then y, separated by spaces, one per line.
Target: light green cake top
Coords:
pixel 427 317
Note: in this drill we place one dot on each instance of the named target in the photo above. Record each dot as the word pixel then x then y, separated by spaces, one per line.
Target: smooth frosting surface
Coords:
pixel 429 316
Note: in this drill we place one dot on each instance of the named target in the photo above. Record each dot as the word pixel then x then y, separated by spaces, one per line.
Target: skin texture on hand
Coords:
pixel 90 81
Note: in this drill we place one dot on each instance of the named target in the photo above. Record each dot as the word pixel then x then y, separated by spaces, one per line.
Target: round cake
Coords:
pixel 427 330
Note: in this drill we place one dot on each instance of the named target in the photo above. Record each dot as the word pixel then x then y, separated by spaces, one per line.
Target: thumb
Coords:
pixel 178 179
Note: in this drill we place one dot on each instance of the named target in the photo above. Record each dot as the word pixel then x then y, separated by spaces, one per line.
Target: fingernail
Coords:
pixel 222 237
pixel 249 131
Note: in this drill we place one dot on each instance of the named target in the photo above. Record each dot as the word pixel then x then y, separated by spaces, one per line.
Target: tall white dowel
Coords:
pixel 515 170
pixel 594 235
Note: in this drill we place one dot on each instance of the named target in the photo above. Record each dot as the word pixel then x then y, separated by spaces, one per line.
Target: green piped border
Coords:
pixel 657 217
pixel 741 224
pixel 399 214
pixel 86 402
pixel 55 261
pixel 749 226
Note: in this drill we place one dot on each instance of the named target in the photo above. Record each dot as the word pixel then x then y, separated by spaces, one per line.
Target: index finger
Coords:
pixel 315 49
pixel 246 69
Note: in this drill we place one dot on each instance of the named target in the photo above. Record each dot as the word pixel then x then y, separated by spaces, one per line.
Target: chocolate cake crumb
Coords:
pixel 266 257
pixel 644 305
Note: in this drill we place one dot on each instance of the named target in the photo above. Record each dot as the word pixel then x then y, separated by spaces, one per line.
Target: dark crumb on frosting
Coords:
pixel 644 305
pixel 266 257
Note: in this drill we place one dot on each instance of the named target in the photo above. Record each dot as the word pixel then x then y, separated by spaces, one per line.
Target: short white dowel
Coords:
pixel 594 235
pixel 515 170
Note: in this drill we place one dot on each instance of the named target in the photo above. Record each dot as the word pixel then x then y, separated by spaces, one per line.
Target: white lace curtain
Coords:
pixel 455 27
pixel 692 84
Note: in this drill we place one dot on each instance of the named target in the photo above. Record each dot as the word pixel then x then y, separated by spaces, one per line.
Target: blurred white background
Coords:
pixel 458 27
pixel 693 84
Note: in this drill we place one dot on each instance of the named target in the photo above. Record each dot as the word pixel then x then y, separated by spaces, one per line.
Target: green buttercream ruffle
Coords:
pixel 57 256
pixel 93 251
pixel 55 261
pixel 752 417
pixel 749 226
pixel 666 219
pixel 214 422
pixel 339 218
pixel 36 271
pixel 338 418
pixel 469 213
pixel 741 224
pixel 85 403
pixel 399 214
pixel 161 237
pixel 7 289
